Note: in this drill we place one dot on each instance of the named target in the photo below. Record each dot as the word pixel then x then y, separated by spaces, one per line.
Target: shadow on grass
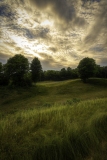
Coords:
pixel 10 95
pixel 98 82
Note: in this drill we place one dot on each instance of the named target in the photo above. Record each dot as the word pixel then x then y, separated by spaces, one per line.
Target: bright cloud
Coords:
pixel 59 33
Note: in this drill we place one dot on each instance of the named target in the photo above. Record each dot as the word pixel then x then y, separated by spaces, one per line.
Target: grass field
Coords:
pixel 64 120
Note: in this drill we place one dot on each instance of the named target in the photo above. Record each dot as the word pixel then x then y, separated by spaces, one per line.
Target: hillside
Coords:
pixel 45 94
pixel 54 121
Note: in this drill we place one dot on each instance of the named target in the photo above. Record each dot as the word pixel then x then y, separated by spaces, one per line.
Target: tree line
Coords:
pixel 19 72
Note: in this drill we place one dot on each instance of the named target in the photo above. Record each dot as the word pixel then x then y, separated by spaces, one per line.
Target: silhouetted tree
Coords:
pixel 17 69
pixel 52 75
pixel 75 73
pixel 69 73
pixel 0 67
pixel 63 74
pixel 86 68
pixel 105 71
pixel 1 73
pixel 4 79
pixel 36 70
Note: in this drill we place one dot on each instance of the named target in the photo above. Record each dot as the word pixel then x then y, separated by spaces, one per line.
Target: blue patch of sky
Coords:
pixel 5 11
pixel 97 48
pixel 27 33
pixel 23 31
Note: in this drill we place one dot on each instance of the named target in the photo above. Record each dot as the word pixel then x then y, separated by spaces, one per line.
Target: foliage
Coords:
pixel 17 72
pixel 36 70
pixel 0 73
pixel 86 68
pixel 0 67
pixel 59 132
pixel 16 68
pixel 26 81
pixel 50 92
pixel 63 74
pixel 4 80
pixel 52 75
pixel 101 72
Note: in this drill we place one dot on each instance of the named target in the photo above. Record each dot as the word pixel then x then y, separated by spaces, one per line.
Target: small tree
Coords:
pixel 36 70
pixel 16 68
pixel 86 68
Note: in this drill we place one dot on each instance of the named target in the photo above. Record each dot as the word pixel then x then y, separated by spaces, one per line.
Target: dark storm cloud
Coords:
pixel 43 32
pixel 97 48
pixel 23 31
pixel 103 62
pixel 53 49
pixel 90 1
pixel 51 64
pixel 4 57
pixel 79 21
pixel 5 11
pixel 31 34
pixel 100 25
pixel 44 55
pixel 47 64
pixel 65 10
pixel 28 34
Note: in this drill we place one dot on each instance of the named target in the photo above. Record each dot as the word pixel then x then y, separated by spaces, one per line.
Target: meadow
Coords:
pixel 64 120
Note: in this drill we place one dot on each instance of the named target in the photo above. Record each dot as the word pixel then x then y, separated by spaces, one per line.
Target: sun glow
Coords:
pixel 47 23
pixel 32 48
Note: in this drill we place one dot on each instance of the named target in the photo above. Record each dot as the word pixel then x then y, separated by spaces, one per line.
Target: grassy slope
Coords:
pixel 68 130
pixel 47 93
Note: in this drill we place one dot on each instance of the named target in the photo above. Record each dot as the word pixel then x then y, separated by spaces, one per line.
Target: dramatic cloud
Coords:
pixel 4 57
pixel 98 30
pixel 59 32
pixel 5 11
pixel 103 61
pixel 63 9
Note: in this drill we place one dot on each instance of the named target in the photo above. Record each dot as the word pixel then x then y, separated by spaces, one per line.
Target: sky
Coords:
pixel 59 32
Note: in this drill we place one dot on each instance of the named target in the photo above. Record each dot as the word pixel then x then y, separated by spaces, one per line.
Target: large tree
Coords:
pixel 86 68
pixel 36 70
pixel 17 69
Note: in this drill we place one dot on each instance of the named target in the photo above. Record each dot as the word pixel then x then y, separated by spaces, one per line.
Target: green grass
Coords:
pixel 54 121
pixel 47 94
pixel 58 133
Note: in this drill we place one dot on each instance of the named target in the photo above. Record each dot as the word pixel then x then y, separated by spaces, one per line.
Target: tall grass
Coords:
pixel 60 132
